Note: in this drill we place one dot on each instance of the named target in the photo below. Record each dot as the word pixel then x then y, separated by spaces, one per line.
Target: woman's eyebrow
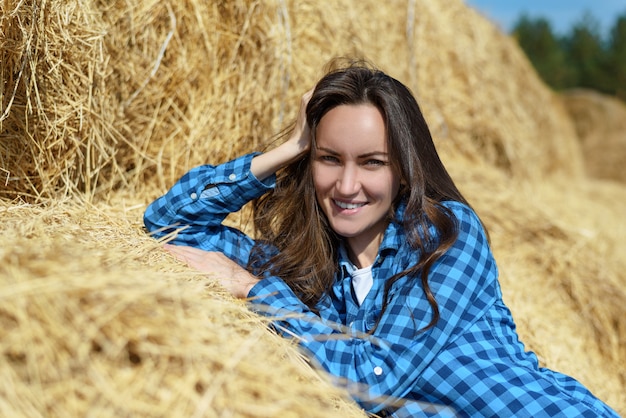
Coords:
pixel 374 154
pixel 366 155
pixel 328 150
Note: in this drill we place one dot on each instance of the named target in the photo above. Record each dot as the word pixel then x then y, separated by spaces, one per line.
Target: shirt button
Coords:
pixel 232 177
pixel 378 370
pixel 193 196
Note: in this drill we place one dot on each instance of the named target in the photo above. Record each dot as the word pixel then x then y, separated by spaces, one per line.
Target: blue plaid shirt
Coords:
pixel 470 364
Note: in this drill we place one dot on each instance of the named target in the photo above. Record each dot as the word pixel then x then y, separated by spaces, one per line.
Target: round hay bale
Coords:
pixel 101 96
pixel 56 132
pixel 88 330
pixel 600 122
pixel 98 96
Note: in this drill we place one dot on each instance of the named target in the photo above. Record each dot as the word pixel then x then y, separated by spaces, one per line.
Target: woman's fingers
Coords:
pixel 189 255
pixel 301 133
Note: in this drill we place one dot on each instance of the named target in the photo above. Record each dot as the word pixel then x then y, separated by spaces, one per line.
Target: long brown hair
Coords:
pixel 290 219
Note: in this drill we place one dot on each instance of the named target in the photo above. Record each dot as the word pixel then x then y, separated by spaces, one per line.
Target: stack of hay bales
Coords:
pixel 106 104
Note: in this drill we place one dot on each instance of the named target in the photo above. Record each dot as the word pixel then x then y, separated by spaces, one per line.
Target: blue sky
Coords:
pixel 562 14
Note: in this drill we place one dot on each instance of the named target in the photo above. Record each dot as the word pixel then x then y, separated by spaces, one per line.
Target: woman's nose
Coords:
pixel 347 183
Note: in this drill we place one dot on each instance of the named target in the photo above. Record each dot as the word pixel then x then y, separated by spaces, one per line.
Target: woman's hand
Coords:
pixel 229 274
pixel 301 135
pixel 297 145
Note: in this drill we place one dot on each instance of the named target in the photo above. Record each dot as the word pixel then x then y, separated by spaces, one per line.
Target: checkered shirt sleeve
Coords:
pixel 192 211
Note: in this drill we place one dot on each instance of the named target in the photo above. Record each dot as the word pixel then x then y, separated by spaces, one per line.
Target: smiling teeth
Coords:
pixel 344 205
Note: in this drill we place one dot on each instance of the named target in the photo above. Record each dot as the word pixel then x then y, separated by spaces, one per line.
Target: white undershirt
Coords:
pixel 362 282
pixel 361 279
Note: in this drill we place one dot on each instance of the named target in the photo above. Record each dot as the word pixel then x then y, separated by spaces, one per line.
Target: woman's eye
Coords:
pixel 329 158
pixel 375 163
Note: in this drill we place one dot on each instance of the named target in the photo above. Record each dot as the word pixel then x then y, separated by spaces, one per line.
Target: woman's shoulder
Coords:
pixel 465 216
pixel 459 209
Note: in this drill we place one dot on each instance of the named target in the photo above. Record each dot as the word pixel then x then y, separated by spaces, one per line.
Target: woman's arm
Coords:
pixel 229 274
pixel 192 211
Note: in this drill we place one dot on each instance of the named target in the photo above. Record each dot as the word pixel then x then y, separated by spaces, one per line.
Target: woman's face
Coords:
pixel 354 182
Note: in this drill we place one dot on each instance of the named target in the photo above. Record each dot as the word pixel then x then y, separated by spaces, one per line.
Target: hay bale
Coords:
pixel 480 94
pixel 53 118
pixel 97 97
pixel 600 122
pixel 91 329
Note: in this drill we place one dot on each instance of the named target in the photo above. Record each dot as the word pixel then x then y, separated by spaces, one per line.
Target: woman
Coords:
pixel 367 252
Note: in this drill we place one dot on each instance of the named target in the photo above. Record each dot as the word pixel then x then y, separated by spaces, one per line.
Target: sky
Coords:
pixel 562 14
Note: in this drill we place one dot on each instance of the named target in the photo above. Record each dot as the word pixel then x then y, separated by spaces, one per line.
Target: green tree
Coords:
pixel 617 57
pixel 544 50
pixel 586 53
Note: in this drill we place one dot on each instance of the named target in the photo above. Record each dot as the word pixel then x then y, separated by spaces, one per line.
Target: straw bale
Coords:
pixel 102 95
pixel 91 329
pixel 94 91
pixel 52 98
pixel 480 95
pixel 600 122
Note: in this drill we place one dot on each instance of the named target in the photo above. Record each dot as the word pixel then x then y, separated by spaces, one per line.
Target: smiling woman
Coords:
pixel 370 256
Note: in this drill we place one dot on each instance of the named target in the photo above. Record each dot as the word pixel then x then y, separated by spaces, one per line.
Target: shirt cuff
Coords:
pixel 272 295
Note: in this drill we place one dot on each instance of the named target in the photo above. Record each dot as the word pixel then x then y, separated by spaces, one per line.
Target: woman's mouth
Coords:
pixel 346 205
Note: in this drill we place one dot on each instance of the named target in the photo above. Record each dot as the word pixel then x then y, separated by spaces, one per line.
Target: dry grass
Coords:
pixel 105 104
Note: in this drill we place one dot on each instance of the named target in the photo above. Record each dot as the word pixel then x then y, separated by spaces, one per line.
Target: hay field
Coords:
pixel 106 104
